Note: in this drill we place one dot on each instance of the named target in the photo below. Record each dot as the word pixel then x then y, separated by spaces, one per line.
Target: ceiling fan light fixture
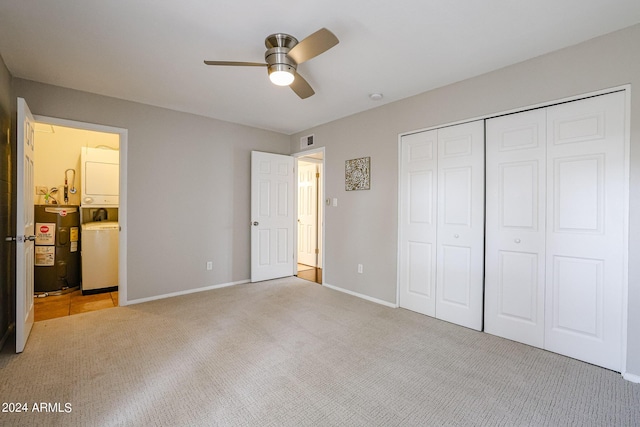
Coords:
pixel 281 74
pixel 283 55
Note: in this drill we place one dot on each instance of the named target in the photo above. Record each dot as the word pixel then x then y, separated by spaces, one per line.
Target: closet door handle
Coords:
pixel 456 235
pixel 517 240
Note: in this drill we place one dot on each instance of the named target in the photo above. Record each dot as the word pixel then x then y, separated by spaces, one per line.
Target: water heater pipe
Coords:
pixel 66 186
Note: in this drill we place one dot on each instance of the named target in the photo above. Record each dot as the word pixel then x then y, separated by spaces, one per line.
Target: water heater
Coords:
pixel 100 176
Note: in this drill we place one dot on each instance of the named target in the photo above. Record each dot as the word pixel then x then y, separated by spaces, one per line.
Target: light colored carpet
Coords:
pixel 292 353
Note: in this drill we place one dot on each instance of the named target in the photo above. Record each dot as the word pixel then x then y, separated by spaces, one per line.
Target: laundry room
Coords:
pixel 76 198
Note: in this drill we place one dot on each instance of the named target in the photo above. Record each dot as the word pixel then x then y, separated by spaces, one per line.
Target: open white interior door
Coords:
pixel 272 216
pixel 25 227
pixel 308 213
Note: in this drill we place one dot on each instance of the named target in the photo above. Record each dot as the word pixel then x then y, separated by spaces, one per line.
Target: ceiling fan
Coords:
pixel 283 55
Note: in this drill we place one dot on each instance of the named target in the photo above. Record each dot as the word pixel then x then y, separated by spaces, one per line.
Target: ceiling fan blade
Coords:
pixel 312 46
pixel 236 63
pixel 301 87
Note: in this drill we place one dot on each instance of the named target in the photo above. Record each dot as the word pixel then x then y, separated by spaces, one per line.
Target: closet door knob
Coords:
pixel 456 235
pixel 517 240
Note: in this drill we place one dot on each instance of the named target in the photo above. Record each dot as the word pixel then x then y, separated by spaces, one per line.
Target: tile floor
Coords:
pixel 309 273
pixel 72 303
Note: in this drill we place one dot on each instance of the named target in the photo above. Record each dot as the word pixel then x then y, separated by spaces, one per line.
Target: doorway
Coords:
pixel 310 214
pixel 60 146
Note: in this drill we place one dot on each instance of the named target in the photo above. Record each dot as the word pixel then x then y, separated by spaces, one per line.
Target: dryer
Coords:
pixel 100 175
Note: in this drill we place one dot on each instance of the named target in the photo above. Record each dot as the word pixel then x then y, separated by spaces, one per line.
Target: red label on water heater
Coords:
pixel 46 233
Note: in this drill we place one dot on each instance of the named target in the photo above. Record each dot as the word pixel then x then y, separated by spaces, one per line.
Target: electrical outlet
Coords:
pixel 360 268
pixel 209 265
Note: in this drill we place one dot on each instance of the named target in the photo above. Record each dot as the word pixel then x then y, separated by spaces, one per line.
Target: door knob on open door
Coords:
pixel 256 223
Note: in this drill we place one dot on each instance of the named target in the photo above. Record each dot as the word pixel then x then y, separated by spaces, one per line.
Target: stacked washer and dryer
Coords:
pixel 99 216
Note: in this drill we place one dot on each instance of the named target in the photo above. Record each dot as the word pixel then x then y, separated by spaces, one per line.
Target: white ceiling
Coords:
pixel 152 51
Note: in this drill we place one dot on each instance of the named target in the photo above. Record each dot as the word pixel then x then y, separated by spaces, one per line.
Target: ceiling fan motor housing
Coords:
pixel 279 45
pixel 277 60
pixel 280 40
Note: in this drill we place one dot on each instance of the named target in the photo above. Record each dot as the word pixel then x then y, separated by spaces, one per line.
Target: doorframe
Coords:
pixel 122 203
pixel 627 150
pixel 297 156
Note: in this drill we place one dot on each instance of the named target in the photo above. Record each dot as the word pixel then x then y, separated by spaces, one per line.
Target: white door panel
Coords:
pixel 455 280
pixel 442 223
pixel 515 227
pixel 460 231
pixel 586 204
pixel 25 226
pixel 272 216
pixel 307 213
pixel 555 228
pixel 418 177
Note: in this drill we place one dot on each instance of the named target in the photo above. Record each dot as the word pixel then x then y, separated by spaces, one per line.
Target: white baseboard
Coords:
pixel 631 377
pixel 188 291
pixel 356 294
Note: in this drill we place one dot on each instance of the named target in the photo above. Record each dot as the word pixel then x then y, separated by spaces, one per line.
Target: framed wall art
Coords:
pixel 357 173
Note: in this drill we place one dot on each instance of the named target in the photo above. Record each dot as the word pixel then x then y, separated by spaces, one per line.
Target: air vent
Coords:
pixel 306 141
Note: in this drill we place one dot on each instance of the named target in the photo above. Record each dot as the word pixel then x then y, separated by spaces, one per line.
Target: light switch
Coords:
pixel 335 201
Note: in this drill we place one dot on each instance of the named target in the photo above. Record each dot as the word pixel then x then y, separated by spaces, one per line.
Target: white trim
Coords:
pixel 122 206
pixel 631 377
pixel 399 216
pixel 186 292
pixel 297 156
pixel 626 216
pixel 307 152
pixel 365 297
pixel 521 109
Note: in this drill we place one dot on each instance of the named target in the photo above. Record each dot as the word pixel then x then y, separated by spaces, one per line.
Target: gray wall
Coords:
pixel 363 227
pixel 188 176
pixel 7 268
pixel 188 182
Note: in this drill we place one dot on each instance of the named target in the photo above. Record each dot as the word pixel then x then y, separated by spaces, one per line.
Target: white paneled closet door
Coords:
pixel 585 229
pixel 442 223
pixel 515 227
pixel 460 250
pixel 555 228
pixel 418 227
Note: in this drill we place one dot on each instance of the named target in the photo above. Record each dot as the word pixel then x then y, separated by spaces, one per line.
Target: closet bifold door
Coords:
pixel 585 229
pixel 515 227
pixel 441 220
pixel 555 225
pixel 417 221
pixel 460 249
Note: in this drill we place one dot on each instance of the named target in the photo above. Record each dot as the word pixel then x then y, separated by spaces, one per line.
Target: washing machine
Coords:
pixel 99 256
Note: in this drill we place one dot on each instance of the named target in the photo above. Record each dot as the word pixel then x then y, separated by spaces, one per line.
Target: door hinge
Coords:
pixel 317 251
pixel 317 175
